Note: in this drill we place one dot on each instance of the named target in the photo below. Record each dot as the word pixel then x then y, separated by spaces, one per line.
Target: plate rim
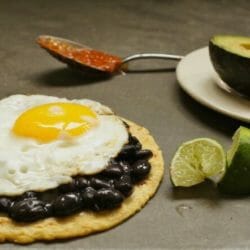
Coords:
pixel 198 98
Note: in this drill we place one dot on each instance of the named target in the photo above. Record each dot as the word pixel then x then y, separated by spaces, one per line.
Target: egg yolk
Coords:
pixel 52 121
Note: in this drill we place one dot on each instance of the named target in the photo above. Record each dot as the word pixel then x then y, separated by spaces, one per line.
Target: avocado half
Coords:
pixel 230 56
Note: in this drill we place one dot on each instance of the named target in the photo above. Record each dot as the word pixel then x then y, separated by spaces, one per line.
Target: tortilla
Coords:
pixel 85 223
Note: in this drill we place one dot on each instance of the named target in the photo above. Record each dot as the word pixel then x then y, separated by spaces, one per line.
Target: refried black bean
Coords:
pixel 105 190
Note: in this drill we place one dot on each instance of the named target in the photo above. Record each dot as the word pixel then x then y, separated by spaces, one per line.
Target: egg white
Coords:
pixel 26 164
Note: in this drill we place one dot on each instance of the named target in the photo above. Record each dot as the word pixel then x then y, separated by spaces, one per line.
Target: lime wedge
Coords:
pixel 197 160
pixel 237 176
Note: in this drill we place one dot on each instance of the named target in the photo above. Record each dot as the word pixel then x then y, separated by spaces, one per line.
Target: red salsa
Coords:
pixel 88 57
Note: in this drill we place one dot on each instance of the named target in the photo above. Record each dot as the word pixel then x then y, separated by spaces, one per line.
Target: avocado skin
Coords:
pixel 233 69
pixel 236 180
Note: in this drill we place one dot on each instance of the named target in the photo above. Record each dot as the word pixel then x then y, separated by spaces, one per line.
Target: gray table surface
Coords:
pixel 152 99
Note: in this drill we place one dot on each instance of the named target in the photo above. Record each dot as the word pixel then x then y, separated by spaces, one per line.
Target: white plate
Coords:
pixel 197 78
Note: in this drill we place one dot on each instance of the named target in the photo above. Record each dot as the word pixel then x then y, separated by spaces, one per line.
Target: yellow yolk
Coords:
pixel 51 121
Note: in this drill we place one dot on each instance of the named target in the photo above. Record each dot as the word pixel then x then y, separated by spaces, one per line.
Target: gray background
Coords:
pixel 185 218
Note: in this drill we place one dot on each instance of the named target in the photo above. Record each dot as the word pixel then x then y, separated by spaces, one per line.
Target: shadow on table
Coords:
pixel 205 194
pixel 205 190
pixel 209 117
pixel 67 77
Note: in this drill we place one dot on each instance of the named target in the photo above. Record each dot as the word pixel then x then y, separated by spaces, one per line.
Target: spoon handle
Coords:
pixel 151 55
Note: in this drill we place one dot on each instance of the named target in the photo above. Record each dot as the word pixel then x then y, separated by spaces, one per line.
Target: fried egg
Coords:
pixel 45 141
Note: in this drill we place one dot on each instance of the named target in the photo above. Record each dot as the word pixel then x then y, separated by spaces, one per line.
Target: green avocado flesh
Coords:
pixel 234 44
pixel 230 56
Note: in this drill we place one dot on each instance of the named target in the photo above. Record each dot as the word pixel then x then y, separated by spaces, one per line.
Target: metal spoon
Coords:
pixel 84 58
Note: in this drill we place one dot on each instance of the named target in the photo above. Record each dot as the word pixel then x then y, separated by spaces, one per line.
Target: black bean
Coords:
pixel 134 141
pixel 48 195
pixel 140 170
pixel 113 161
pixel 5 204
pixel 127 152
pixel 27 195
pixel 124 185
pixel 112 182
pixel 66 204
pixel 126 167
pixel 126 125
pixel 107 198
pixel 82 182
pixel 113 170
pixel 29 210
pixel 88 198
pixel 49 206
pixel 98 183
pixel 143 154
pixel 68 187
pixel 138 146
